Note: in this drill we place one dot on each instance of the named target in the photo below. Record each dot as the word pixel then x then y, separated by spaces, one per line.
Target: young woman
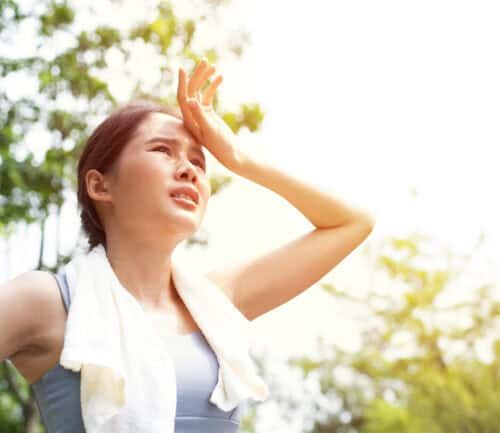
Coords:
pixel 142 189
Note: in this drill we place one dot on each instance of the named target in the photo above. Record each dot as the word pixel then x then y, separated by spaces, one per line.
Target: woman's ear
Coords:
pixel 97 186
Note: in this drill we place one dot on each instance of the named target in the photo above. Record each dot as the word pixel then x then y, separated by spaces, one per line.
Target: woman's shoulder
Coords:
pixel 46 311
pixel 51 310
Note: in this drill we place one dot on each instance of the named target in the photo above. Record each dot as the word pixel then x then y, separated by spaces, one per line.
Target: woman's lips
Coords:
pixel 184 202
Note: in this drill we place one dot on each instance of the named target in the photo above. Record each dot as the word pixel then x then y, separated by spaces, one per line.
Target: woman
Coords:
pixel 143 188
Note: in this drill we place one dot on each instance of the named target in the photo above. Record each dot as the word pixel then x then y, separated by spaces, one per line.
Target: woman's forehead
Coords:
pixel 161 122
pixel 166 125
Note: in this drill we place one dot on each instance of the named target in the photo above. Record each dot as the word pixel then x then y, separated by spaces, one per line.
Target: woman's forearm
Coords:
pixel 319 207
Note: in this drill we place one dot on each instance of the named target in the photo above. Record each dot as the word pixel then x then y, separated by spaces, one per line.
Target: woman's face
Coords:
pixel 146 173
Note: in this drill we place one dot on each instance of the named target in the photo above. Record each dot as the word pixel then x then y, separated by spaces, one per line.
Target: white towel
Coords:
pixel 128 382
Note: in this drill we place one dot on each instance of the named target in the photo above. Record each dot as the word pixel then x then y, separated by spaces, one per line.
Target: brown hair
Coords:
pixel 102 150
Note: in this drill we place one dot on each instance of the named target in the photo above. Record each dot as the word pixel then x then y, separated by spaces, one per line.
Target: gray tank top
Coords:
pixel 57 392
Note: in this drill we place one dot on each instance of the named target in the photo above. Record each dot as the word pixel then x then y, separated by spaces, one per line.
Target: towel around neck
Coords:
pixel 127 375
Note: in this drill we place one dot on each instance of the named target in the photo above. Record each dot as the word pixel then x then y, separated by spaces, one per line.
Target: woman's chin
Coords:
pixel 187 224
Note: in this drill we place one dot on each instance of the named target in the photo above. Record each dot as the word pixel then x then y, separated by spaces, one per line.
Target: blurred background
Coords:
pixel 392 106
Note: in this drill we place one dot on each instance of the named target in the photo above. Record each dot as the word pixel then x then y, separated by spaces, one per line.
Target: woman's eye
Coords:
pixel 161 147
pixel 200 163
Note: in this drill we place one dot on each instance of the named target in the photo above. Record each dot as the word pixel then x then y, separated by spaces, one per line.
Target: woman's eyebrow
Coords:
pixel 175 142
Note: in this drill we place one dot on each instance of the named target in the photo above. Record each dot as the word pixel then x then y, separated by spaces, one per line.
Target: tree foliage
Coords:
pixel 418 368
pixel 420 352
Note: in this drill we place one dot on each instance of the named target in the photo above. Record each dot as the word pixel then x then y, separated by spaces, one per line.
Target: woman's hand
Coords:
pixel 200 118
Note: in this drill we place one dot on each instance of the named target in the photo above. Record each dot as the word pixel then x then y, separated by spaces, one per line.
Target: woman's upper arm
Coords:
pixel 21 301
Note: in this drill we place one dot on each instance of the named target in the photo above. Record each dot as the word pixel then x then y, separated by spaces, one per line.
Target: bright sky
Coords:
pixel 371 101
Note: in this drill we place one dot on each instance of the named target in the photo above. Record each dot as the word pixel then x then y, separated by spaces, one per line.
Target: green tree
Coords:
pixel 418 369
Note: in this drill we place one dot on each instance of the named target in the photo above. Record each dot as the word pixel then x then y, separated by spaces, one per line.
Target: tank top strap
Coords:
pixel 62 283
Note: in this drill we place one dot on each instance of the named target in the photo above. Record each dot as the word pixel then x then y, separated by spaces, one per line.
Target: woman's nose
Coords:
pixel 186 169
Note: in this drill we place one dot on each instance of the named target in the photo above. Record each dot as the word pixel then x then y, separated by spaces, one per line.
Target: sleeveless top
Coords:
pixel 57 392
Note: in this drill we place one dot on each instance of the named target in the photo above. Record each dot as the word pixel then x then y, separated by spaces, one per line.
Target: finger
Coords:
pixel 199 82
pixel 181 87
pixel 195 80
pixel 208 96
pixel 187 115
pixel 199 114
pixel 206 74
pixel 191 125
